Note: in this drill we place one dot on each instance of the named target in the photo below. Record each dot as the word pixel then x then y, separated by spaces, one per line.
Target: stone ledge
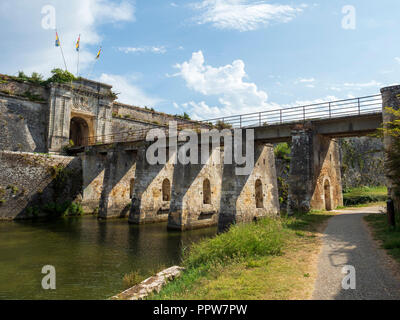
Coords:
pixel 152 284
pixel 390 88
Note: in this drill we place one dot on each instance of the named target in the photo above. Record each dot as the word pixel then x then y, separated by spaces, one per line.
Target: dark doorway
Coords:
pixel 166 190
pixel 131 188
pixel 259 194
pixel 206 191
pixel 79 131
pixel 327 195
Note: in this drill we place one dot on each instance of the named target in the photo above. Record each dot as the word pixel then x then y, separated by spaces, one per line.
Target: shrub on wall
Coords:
pixel 61 76
pixel 66 208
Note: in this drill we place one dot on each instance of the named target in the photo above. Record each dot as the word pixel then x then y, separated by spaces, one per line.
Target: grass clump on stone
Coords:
pixel 132 279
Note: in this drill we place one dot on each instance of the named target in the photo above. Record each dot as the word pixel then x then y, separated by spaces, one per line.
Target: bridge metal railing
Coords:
pixel 325 110
pixel 318 111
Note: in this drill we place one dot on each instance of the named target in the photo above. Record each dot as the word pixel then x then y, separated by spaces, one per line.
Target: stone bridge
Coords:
pixel 193 196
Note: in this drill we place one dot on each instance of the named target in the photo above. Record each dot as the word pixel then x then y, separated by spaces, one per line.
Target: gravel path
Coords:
pixel 346 241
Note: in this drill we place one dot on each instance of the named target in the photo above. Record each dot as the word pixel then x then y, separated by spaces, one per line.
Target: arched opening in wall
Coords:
pixel 166 190
pixel 259 194
pixel 327 195
pixel 131 185
pixel 206 191
pixel 78 131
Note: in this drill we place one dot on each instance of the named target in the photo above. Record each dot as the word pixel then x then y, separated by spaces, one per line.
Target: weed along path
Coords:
pixel 347 243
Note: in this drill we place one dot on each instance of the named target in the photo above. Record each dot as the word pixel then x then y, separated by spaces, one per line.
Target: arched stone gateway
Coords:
pixel 78 131
pixel 327 195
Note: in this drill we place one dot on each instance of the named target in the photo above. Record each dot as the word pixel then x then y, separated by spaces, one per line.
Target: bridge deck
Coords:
pixel 350 117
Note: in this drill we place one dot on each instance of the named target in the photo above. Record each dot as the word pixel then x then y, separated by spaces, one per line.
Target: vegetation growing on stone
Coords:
pixel 282 151
pixel 58 76
pixel 184 116
pixel 14 189
pixel 282 156
pixel 66 208
pixel 220 125
pixel 61 76
pixel 131 279
pixel 33 97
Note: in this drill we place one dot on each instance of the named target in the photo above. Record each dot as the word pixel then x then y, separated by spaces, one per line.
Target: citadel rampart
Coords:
pixel 30 182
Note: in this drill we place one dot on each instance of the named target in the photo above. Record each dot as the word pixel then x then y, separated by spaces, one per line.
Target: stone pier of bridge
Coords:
pixel 315 176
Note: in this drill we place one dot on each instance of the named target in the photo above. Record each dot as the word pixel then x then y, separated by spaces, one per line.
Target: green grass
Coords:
pixel 363 195
pixel 390 237
pixel 268 259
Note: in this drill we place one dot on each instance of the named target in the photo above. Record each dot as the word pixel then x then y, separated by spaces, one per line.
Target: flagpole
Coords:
pixel 94 63
pixel 62 52
pixel 91 70
pixel 79 51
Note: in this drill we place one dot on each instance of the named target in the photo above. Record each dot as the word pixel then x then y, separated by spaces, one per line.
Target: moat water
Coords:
pixel 90 256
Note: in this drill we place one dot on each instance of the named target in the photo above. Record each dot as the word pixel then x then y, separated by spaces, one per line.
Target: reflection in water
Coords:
pixel 90 256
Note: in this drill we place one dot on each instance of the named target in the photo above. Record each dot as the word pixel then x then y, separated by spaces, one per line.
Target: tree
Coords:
pixel 392 129
pixel 61 76
pixel 36 78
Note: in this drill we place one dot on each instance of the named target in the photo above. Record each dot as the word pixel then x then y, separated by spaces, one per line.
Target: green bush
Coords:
pixel 355 200
pixel 34 211
pixel 184 116
pixel 61 76
pixel 36 78
pixel 33 97
pixel 66 208
pixel 282 151
pixel 74 209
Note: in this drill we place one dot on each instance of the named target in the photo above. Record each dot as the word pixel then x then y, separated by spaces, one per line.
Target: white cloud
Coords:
pixel 372 83
pixel 128 92
pixel 298 103
pixel 202 111
pixel 244 15
pixel 305 80
pixel 226 83
pixel 144 49
pixel 397 59
pixel 31 48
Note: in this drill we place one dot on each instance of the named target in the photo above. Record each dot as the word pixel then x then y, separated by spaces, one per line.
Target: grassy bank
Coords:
pixel 268 259
pixel 363 195
pixel 389 237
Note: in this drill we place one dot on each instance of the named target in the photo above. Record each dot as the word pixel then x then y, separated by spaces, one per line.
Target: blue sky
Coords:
pixel 211 58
